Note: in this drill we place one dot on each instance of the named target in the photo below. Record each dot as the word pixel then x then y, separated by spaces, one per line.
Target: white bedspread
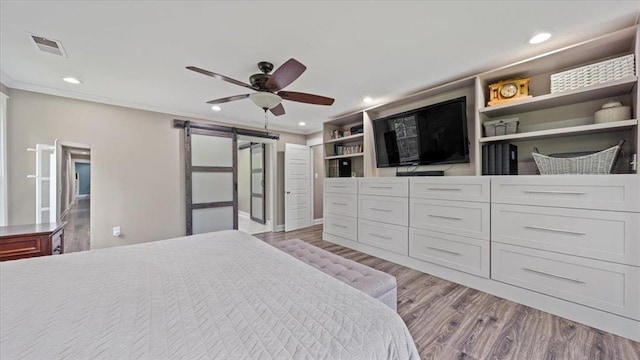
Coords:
pixel 223 295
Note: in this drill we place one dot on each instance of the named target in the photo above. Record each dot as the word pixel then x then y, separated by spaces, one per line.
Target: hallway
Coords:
pixel 76 233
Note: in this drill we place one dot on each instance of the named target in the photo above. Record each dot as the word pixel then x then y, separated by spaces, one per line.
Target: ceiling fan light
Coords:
pixel 265 100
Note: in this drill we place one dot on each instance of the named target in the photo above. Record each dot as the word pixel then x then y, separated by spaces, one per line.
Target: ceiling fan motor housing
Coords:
pixel 259 80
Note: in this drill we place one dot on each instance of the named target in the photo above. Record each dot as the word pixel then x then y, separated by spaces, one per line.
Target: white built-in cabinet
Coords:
pixel 569 245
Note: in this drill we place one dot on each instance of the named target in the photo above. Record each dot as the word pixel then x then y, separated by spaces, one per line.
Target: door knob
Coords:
pixel 288 192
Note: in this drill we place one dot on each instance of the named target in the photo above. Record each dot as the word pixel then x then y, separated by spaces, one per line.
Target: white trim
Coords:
pixel 7 80
pixel 318 221
pixel 315 141
pixel 244 214
pixel 279 228
pixel 4 191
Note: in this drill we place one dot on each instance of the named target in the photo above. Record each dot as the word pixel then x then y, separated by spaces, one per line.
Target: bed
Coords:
pixel 224 295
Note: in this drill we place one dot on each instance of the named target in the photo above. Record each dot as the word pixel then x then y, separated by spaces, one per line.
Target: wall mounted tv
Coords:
pixel 435 134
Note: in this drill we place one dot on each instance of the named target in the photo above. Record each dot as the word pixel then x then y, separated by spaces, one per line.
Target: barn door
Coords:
pixel 211 179
pixel 257 183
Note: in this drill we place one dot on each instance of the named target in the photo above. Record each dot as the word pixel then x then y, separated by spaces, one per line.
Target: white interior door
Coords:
pixel 297 186
pixel 45 178
pixel 257 183
pixel 211 175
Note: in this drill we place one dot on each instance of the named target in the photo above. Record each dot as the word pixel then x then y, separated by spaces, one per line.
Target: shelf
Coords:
pixel 567 131
pixel 599 91
pixel 344 156
pixel 349 138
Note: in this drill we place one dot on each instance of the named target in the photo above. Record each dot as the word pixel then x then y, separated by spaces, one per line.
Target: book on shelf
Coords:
pixel 499 159
pixel 347 150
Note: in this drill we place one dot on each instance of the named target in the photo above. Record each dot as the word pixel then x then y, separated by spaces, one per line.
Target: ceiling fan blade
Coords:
pixel 227 99
pixel 305 98
pixel 278 110
pixel 285 75
pixel 221 77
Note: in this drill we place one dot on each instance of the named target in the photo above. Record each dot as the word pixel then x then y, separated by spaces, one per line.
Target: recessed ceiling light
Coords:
pixel 72 80
pixel 367 100
pixel 216 108
pixel 539 38
pixel 302 123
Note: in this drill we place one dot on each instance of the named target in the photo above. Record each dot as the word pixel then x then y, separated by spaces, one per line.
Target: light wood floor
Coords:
pixel 76 233
pixel 451 321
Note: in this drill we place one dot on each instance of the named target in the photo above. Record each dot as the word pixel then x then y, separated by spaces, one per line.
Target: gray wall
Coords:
pixel 137 164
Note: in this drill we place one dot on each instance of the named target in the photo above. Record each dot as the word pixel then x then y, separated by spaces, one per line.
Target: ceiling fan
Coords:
pixel 268 87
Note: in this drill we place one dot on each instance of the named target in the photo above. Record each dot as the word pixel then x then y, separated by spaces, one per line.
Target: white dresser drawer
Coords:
pixel 598 192
pixel 341 186
pixel 463 188
pixel 341 204
pixel 451 217
pixel 602 285
pixel 384 236
pixel 343 226
pixel 452 251
pixel 384 186
pixel 386 209
pixel 604 235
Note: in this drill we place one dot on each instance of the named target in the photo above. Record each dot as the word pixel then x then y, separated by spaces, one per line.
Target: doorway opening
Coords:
pixel 74 191
pixel 254 190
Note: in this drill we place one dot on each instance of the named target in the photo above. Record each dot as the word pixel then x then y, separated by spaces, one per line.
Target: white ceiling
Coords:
pixel 134 53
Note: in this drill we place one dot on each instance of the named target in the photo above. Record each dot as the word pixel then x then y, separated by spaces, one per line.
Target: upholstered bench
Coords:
pixel 377 284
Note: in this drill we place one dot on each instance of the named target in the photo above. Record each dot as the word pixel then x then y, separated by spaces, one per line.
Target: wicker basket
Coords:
pixel 601 162
pixel 598 73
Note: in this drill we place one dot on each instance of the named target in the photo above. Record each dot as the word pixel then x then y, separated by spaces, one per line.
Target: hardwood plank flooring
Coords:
pixel 451 321
pixel 76 233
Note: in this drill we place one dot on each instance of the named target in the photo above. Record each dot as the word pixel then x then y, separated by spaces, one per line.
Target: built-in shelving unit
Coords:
pixel 600 91
pixel 344 156
pixel 346 139
pixel 567 131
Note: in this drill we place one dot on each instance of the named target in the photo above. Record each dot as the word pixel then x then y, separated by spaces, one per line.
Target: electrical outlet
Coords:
pixel 116 231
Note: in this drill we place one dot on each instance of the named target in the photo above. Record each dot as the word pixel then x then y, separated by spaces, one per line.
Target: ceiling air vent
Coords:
pixel 47 45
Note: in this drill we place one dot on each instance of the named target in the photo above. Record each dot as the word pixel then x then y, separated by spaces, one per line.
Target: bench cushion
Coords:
pixel 378 284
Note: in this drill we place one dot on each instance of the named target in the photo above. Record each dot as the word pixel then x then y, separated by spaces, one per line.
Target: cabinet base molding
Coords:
pixel 611 323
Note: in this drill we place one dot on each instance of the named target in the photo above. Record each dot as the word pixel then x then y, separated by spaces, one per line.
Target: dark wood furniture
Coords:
pixel 24 241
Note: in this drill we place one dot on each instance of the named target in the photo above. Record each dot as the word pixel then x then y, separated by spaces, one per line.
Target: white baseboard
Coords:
pixel 244 214
pixel 317 221
pixel 83 196
pixel 279 228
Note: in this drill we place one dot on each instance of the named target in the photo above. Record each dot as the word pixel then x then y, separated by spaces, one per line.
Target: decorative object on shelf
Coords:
pixel 357 129
pixel 601 162
pixel 612 111
pixel 508 90
pixel 598 73
pixel 501 127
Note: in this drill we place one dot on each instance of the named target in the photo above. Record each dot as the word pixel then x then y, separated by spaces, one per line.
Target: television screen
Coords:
pixel 436 134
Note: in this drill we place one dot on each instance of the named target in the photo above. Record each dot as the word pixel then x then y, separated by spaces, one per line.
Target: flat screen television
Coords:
pixel 435 134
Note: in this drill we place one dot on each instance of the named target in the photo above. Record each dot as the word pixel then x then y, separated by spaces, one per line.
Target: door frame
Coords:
pixel 272 145
pixel 310 184
pixel 263 149
pixel 311 143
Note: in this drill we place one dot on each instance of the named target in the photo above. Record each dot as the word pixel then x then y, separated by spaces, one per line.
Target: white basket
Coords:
pixel 598 73
pixel 601 162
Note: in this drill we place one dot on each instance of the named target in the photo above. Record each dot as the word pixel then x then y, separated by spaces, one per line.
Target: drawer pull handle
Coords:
pixel 444 189
pixel 383 210
pixel 555 230
pixel 341 204
pixel 340 226
pixel 444 251
pixel 339 186
pixel 445 217
pixel 381 187
pixel 381 237
pixel 554 276
pixel 553 192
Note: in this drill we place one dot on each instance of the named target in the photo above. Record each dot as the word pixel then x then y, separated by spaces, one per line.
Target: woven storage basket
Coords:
pixel 598 73
pixel 601 162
